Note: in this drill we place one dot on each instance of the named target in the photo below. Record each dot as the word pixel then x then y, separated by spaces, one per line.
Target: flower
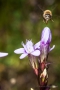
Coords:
pixel 2 54
pixel 46 37
pixel 28 49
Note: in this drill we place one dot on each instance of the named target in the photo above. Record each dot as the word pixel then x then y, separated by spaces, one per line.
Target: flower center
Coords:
pixel 30 49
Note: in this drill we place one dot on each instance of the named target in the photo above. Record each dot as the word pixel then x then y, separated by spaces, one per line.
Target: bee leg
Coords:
pixel 43 20
pixel 46 21
pixel 52 20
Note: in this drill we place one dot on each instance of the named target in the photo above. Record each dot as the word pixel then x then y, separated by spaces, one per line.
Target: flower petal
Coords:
pixel 46 35
pixel 52 48
pixel 23 55
pixel 3 54
pixel 36 53
pixel 24 47
pixel 18 51
pixel 37 45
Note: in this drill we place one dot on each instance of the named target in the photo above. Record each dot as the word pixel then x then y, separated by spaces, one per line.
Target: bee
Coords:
pixel 47 15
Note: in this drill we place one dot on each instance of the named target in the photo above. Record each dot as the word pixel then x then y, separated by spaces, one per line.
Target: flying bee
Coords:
pixel 47 15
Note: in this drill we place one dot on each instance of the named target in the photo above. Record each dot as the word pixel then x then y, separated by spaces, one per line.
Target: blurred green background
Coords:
pixel 21 20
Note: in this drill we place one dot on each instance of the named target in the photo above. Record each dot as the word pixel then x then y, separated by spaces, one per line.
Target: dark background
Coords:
pixel 21 20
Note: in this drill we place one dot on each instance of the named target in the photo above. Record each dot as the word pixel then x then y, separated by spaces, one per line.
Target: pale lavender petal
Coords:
pixel 3 54
pixel 24 47
pixel 29 46
pixel 52 48
pixel 37 45
pixel 46 35
pixel 36 53
pixel 19 51
pixel 23 55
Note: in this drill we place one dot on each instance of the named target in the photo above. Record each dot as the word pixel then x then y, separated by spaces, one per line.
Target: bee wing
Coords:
pixel 40 8
pixel 53 7
pixel 35 17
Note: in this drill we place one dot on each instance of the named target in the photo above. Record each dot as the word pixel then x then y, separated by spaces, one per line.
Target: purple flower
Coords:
pixel 2 54
pixel 28 49
pixel 45 42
